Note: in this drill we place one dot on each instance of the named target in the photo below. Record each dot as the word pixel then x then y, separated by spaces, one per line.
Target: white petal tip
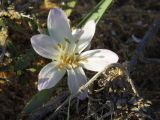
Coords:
pixel 99 58
pixel 39 88
pixel 56 11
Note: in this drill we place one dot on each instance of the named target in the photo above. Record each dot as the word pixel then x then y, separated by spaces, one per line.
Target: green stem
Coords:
pixel 69 104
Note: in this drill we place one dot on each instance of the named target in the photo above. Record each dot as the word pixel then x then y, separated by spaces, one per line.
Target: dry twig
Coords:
pixel 149 34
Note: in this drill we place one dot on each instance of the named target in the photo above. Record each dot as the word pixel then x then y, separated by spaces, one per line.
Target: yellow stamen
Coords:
pixel 67 59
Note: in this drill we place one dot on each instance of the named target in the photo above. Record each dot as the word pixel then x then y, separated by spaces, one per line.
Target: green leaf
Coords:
pixel 38 100
pixel 41 97
pixel 96 13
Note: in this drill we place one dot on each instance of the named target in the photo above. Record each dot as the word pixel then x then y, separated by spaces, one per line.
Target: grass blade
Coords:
pixel 39 99
pixel 97 12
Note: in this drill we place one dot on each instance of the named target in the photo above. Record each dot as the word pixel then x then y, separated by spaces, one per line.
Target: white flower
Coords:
pixel 65 48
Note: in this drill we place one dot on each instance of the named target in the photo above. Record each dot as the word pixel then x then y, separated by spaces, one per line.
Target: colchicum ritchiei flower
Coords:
pixel 65 49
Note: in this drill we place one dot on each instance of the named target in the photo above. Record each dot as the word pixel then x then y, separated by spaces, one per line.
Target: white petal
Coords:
pixel 98 59
pixel 49 76
pixel 86 37
pixel 58 25
pixel 44 45
pixel 76 78
pixel 77 34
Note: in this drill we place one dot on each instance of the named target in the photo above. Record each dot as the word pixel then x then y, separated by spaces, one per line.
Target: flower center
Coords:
pixel 68 61
pixel 67 57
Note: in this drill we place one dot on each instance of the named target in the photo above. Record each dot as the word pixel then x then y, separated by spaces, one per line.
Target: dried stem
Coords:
pixel 149 34
pixel 94 78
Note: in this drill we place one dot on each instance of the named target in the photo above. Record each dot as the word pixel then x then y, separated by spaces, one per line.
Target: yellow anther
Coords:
pixel 66 59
